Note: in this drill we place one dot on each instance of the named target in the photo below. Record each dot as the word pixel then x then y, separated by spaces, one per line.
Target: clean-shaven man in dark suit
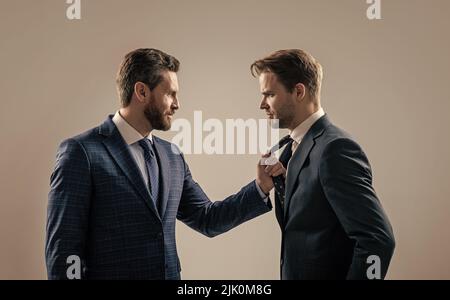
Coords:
pixel 332 223
pixel 117 190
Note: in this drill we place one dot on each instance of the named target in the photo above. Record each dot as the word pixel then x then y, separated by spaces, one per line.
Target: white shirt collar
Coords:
pixel 299 132
pixel 129 134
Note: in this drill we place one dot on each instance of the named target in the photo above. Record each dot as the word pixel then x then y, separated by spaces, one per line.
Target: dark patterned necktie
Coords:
pixel 152 169
pixel 279 181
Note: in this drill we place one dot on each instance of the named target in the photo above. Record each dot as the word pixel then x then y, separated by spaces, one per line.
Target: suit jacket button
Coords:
pixel 281 262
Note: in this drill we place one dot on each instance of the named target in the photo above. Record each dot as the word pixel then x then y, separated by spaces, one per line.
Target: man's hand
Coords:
pixel 276 170
pixel 265 172
pixel 263 179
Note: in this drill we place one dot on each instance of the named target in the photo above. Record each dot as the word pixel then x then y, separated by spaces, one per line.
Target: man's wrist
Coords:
pixel 264 189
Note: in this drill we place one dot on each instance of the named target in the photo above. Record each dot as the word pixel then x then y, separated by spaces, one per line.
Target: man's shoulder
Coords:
pixel 336 137
pixel 338 149
pixel 86 140
pixel 87 136
pixel 337 143
pixel 333 132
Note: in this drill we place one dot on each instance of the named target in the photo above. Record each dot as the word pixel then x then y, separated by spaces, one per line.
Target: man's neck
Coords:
pixel 138 122
pixel 303 117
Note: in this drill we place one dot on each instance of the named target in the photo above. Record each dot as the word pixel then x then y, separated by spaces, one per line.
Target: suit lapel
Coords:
pixel 119 151
pixel 294 166
pixel 299 157
pixel 164 170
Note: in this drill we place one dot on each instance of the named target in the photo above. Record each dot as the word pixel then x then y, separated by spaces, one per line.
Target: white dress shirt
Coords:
pixel 132 137
pixel 299 132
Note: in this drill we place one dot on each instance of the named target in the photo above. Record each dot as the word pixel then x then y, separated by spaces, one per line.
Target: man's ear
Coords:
pixel 300 91
pixel 141 91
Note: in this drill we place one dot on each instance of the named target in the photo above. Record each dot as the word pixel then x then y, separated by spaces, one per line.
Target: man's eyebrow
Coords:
pixel 266 92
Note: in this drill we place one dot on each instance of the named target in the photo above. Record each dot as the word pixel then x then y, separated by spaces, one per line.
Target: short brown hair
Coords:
pixel 291 67
pixel 143 65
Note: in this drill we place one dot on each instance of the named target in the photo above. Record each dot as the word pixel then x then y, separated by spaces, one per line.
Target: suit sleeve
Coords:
pixel 68 209
pixel 213 218
pixel 346 178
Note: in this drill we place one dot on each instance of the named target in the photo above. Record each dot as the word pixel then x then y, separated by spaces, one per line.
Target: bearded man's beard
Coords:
pixel 157 118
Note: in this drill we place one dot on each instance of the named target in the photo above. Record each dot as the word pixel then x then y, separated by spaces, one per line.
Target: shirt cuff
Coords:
pixel 261 193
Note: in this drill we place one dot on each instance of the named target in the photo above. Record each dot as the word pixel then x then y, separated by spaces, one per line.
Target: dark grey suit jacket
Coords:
pixel 100 209
pixel 332 220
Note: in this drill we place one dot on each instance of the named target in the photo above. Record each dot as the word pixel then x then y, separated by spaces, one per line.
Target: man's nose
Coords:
pixel 263 104
pixel 176 104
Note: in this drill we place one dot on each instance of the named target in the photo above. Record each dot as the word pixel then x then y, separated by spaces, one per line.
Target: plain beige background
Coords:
pixel 386 82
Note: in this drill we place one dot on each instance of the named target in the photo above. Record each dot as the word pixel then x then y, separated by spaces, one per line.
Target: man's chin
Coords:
pixel 162 125
pixel 166 126
pixel 168 123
